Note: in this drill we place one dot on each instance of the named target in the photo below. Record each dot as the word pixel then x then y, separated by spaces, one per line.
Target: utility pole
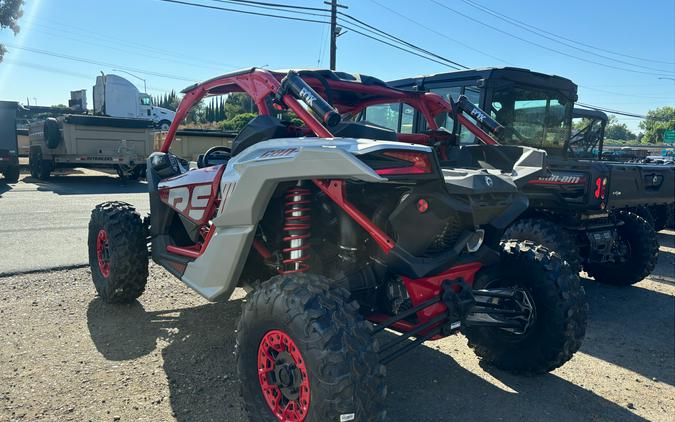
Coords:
pixel 334 29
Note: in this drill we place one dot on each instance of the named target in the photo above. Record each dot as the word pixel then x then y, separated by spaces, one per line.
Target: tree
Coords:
pixel 657 122
pixel 10 12
pixel 618 131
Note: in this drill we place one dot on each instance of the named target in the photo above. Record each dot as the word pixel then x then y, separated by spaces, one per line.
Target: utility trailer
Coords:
pixel 190 144
pixel 76 140
pixel 9 149
pixel 581 208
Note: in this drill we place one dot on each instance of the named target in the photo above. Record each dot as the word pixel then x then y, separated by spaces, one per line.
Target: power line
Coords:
pixel 391 44
pixel 473 48
pixel 89 33
pixel 57 71
pixel 276 7
pixel 474 4
pixel 554 38
pixel 619 112
pixel 156 56
pixel 397 47
pixel 358 21
pixel 99 63
pixel 541 45
pixel 623 94
pixel 246 12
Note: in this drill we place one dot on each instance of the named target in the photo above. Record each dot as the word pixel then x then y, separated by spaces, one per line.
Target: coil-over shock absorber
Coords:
pixel 297 225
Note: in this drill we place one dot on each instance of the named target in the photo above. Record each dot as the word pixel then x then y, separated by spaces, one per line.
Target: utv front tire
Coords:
pixel 118 252
pixel 560 310
pixel 301 329
pixel 548 234
pixel 643 252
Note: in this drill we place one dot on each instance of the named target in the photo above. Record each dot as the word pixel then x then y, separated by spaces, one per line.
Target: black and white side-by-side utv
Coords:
pixel 343 229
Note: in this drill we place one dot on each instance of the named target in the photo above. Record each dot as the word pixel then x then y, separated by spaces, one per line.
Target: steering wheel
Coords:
pixel 215 155
pixel 509 131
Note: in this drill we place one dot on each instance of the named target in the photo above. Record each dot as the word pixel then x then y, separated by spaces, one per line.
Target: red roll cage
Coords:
pixel 349 94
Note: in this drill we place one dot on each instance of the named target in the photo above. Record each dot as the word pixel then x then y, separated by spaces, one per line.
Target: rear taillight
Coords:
pixel 600 188
pixel 418 163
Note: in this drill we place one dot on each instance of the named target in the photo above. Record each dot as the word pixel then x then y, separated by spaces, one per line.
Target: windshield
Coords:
pixel 146 101
pixel 537 117
pixel 587 135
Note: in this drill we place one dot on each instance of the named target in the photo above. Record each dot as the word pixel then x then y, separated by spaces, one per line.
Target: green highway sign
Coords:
pixel 669 136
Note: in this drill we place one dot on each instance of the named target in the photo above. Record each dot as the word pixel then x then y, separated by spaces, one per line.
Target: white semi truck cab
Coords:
pixel 117 97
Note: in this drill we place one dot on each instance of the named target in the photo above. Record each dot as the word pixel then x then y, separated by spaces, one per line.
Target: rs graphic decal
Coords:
pixel 190 200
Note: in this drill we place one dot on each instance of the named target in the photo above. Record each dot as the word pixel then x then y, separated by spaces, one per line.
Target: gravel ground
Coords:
pixel 68 356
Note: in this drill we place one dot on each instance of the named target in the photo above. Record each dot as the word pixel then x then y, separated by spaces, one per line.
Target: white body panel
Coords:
pixel 247 185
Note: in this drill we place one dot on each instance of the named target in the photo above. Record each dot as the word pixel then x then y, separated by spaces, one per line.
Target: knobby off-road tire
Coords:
pixel 643 253
pixel 560 308
pixel 645 213
pixel 118 252
pixel 548 234
pixel 660 214
pixel 337 350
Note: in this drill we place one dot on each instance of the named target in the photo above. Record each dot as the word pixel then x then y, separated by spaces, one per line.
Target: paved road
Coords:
pixel 44 224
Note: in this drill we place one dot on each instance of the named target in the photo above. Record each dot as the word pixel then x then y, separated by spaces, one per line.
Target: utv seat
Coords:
pixel 260 128
pixel 347 129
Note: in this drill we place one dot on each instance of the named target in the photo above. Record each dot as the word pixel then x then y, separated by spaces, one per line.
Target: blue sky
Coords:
pixel 193 44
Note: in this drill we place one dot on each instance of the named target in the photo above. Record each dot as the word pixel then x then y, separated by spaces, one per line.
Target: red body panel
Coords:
pixel 193 193
pixel 421 290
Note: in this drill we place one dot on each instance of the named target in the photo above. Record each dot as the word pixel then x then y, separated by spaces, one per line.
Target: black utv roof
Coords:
pixel 591 114
pixel 490 75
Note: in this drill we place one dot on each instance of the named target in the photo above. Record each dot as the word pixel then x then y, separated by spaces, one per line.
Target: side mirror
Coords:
pixel 200 161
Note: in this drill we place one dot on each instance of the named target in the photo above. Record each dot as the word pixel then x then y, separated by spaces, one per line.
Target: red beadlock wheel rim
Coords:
pixel 283 377
pixel 103 252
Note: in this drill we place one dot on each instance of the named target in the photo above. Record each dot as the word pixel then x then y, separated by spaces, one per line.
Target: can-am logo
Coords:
pixel 558 179
pixel 277 153
pixel 307 96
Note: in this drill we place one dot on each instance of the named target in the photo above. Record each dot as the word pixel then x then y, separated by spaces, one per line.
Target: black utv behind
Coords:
pixel 582 209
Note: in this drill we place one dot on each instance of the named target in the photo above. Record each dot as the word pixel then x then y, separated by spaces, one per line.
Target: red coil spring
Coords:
pixel 297 225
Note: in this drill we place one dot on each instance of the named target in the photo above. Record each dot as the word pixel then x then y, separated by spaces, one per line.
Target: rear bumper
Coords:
pixel 8 160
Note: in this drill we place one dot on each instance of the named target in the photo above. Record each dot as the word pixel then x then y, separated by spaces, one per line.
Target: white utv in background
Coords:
pixel 115 96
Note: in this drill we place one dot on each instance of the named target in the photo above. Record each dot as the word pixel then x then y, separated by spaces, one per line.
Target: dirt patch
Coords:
pixel 68 356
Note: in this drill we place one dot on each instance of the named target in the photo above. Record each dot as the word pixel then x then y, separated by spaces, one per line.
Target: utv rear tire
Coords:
pixel 338 354
pixel 560 308
pixel 548 234
pixel 660 214
pixel 12 174
pixel 643 247
pixel 118 252
pixel 645 213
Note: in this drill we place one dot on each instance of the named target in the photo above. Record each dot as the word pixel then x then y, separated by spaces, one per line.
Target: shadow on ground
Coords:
pixel 424 385
pixel 631 327
pixel 86 185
